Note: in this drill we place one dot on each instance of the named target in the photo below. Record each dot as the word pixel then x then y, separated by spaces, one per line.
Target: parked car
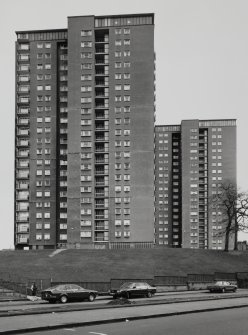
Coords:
pixel 222 286
pixel 68 292
pixel 134 289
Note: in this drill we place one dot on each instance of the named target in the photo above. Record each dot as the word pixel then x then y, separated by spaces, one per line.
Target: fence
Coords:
pixel 189 282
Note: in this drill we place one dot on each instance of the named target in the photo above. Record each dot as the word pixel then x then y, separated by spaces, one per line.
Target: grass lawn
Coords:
pixel 102 265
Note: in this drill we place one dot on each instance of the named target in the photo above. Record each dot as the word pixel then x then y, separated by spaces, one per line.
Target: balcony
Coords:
pixel 22 143
pixel 22 122
pixel 23 132
pixel 22 164
pixel 104 39
pixel 101 228
pixel 102 50
pixel 23 100
pixel 101 194
pixel 101 239
pixel 23 111
pixel 20 218
pixel 22 153
pixel 101 115
pixel 23 230
pixel 22 175
pixel 22 197
pixel 101 172
pixel 102 139
pixel 102 161
pixel 22 239
pixel 101 205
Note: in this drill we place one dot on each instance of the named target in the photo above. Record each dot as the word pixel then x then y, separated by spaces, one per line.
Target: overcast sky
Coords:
pixel 201 67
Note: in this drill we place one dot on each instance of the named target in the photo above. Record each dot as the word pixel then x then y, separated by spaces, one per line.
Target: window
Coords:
pixel 117 98
pixel 126 132
pixel 38 172
pixel 118 76
pixel 126 120
pixel 126 154
pixel 86 100
pixel 118 54
pixel 127 98
pixel 85 234
pixel 46 236
pixel 86 55
pixel 118 87
pixel 117 65
pixel 126 31
pixel 117 42
pixel 86 77
pixel 127 64
pixel 118 234
pixel 126 42
pixel 127 53
pixel 117 31
pixel 38 237
pixel 86 44
pixel 86 88
pixel 47 87
pixel 126 88
pixel 127 75
pixel 86 66
pixel 48 66
pixel 118 132
pixel 127 233
pixel 86 32
pixel 127 109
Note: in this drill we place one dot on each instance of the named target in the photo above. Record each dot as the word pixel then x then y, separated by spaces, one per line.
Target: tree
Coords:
pixel 233 205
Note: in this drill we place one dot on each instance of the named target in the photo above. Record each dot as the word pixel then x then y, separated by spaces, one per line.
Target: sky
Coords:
pixel 201 68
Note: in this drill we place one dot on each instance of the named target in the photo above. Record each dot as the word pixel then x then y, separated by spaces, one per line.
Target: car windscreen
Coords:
pixel 126 285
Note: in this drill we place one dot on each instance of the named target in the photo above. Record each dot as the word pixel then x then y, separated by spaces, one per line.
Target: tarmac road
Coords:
pixel 69 320
pixel 42 306
pixel 226 322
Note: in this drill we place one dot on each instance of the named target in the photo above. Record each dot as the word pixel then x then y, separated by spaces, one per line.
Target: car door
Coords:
pixel 78 292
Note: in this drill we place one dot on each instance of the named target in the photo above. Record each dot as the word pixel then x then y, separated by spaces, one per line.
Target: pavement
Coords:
pixel 100 314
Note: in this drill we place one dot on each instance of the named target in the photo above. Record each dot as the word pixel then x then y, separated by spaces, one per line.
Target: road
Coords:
pixel 69 320
pixel 159 297
pixel 225 322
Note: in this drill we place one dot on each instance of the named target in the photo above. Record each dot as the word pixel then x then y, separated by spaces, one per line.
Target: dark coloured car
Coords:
pixel 134 289
pixel 222 286
pixel 68 292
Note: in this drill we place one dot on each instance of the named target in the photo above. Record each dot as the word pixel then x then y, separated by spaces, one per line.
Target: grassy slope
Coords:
pixel 96 265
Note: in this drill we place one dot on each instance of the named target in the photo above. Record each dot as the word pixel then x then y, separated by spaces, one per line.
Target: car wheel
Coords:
pixel 91 297
pixel 149 294
pixel 63 299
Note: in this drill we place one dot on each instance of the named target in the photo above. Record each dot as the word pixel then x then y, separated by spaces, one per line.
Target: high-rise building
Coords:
pixel 84 162
pixel 191 161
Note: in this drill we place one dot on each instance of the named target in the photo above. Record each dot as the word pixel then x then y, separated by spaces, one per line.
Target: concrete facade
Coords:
pixel 204 155
pixel 84 132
